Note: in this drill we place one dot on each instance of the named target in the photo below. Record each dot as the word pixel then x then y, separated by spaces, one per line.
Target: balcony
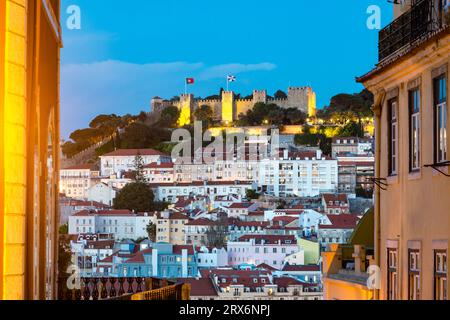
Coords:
pixel 422 21
pixel 104 288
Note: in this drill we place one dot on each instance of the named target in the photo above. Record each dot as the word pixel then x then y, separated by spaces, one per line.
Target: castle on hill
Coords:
pixel 228 108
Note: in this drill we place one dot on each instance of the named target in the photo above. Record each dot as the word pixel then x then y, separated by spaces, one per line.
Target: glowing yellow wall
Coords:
pixel 312 104
pixel 13 124
pixel 227 106
pixel 185 107
pixel 345 290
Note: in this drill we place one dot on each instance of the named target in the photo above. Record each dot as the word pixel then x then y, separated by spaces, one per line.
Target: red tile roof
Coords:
pixel 200 222
pixel 134 152
pixel 284 282
pixel 247 278
pixel 341 221
pixel 87 213
pixel 309 267
pixel 240 205
pixel 139 256
pixel 202 287
pixel 341 197
pixel 101 244
pixel 161 165
pixel 200 183
pixel 178 249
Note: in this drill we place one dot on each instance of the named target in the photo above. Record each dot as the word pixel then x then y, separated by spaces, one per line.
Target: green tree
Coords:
pixel 295 116
pixel 135 196
pixel 151 231
pixel 252 194
pixel 205 114
pixel 169 117
pixel 64 229
pixel 216 235
pixel 139 169
pixel 351 129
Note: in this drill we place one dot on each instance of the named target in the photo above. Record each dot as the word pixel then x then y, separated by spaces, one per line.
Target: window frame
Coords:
pixel 440 103
pixel 392 122
pixel 414 123
pixel 414 275
pixel 392 272
pixel 440 291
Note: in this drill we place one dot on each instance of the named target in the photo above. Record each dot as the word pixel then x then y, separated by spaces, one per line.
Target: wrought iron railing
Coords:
pixel 413 25
pixel 109 288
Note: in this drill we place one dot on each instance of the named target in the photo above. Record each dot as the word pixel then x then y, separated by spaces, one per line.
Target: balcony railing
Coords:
pixel 420 21
pixel 131 288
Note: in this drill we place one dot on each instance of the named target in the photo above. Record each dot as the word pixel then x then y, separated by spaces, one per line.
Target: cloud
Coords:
pixel 111 86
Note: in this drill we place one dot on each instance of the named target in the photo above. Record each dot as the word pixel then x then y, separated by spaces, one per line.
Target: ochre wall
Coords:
pixel 14 123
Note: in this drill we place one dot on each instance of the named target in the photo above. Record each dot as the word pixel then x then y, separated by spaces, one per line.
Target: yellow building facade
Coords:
pixel 412 210
pixel 30 40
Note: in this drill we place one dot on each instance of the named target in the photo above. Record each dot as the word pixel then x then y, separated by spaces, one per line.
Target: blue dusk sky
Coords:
pixel 127 52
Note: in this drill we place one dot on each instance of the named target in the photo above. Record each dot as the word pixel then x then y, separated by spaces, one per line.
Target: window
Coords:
pixel 440 275
pixel 392 274
pixel 392 136
pixel 414 275
pixel 440 119
pixel 414 129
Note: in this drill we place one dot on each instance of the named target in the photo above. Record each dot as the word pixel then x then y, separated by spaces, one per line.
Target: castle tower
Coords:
pixel 185 106
pixel 312 104
pixel 228 106
pixel 302 98
pixel 259 96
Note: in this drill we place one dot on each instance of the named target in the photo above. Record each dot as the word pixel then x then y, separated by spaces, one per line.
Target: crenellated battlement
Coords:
pixel 229 107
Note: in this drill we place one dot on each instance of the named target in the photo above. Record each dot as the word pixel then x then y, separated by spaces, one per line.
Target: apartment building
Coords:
pixel 75 181
pixel 119 162
pixel 163 260
pixel 303 174
pixel 335 203
pixel 170 227
pixel 159 172
pixel 355 172
pixel 336 228
pixel 351 145
pixel 170 192
pixel 229 284
pixel 256 249
pixel 123 224
pixel 410 84
pixel 196 231
pixel 30 42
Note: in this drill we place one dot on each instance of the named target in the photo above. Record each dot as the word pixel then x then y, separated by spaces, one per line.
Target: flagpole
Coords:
pixel 185 86
pixel 227 82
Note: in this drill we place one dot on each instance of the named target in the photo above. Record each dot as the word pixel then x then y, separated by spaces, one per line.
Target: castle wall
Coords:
pixel 186 107
pixel 228 108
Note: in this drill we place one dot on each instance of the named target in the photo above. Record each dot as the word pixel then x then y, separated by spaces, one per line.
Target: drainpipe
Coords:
pixel 377 233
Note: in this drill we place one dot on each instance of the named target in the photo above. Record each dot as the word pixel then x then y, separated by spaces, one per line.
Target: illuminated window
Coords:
pixel 392 136
pixel 414 274
pixel 440 274
pixel 392 274
pixel 440 119
pixel 414 129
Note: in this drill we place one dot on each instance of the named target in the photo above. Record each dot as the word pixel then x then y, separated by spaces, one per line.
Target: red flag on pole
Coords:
pixel 190 80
